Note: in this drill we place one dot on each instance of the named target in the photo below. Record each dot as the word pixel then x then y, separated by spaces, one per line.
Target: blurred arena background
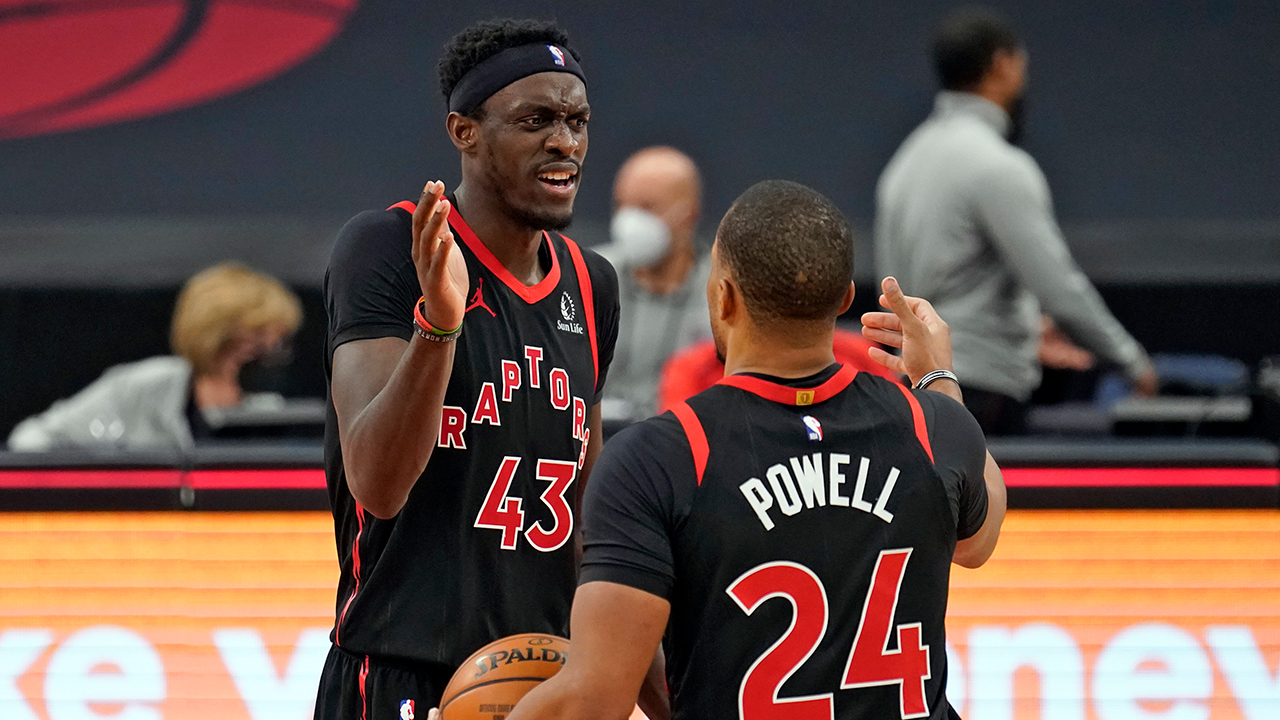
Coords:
pixel 141 142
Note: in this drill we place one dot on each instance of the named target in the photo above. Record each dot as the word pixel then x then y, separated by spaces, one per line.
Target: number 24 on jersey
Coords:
pixel 870 663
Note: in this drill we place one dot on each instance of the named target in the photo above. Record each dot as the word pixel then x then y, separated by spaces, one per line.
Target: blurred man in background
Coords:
pixel 658 198
pixel 964 219
pixel 227 318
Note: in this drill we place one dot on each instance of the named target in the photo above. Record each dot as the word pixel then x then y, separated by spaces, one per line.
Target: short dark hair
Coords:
pixel 790 250
pixel 480 41
pixel 966 43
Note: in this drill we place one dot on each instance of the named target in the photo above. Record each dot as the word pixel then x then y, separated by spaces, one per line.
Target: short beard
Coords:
pixel 720 356
pixel 539 221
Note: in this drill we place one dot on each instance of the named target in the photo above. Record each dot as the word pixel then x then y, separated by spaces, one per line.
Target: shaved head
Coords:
pixel 666 167
pixel 663 181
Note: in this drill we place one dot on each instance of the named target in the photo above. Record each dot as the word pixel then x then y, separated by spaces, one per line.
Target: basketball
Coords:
pixel 495 677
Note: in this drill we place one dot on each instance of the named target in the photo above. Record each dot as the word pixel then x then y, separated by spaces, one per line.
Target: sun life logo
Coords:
pixel 569 312
pixel 557 54
pixel 814 427
pixel 406 710
pixel 566 307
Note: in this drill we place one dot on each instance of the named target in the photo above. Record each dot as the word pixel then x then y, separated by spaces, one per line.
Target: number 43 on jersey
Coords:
pixel 503 512
pixel 871 663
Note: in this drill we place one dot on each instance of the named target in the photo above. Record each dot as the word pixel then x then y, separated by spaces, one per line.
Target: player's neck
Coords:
pixel 512 243
pixel 759 352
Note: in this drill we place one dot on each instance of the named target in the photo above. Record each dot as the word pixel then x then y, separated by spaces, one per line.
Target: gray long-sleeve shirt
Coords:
pixel 965 220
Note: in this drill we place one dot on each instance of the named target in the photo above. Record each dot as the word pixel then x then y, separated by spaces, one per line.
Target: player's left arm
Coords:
pixel 595 441
pixel 973 551
pixel 616 630
pixel 924 338
pixel 653 699
pixel 604 287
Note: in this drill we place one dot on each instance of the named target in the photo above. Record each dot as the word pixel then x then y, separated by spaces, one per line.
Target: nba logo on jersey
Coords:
pixel 814 427
pixel 406 710
pixel 557 54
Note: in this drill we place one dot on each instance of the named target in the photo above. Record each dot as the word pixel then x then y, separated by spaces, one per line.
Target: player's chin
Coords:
pixel 548 216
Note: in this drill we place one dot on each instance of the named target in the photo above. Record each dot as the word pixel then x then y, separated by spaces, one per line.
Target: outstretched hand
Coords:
pixel 912 326
pixel 442 273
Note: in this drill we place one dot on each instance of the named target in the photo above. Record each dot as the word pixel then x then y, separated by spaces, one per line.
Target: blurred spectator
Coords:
pixel 696 368
pixel 227 318
pixel 964 218
pixel 661 282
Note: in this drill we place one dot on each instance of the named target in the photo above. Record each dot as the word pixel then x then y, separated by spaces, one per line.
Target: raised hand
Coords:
pixel 914 327
pixel 442 272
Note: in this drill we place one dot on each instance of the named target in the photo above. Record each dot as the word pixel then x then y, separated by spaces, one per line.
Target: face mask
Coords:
pixel 639 237
pixel 268 371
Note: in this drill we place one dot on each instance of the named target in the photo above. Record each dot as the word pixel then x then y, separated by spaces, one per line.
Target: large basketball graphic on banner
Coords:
pixel 71 64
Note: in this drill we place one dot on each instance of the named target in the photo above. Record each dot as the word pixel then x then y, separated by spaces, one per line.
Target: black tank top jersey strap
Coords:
pixel 825 497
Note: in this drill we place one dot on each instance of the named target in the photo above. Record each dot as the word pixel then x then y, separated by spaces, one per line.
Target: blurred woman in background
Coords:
pixel 227 317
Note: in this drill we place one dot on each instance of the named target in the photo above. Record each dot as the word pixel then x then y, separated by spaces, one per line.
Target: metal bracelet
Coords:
pixel 934 376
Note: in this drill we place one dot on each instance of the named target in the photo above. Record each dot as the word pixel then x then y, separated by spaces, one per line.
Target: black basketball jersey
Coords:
pixel 818 548
pixel 483 546
pixel 808 568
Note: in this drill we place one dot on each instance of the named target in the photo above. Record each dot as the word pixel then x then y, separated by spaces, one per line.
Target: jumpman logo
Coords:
pixel 477 300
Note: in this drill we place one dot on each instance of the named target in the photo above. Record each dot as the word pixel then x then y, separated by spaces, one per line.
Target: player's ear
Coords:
pixel 463 131
pixel 847 302
pixel 730 299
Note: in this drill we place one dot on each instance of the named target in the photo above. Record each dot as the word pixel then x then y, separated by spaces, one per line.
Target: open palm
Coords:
pixel 442 272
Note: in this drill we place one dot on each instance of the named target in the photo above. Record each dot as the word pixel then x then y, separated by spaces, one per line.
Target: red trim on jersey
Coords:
pixel 529 293
pixel 697 436
pixel 355 562
pixel 788 395
pixel 588 306
pixel 917 418
pixel 364 701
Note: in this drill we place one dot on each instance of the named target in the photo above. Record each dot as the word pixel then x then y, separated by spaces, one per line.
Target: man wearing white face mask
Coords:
pixel 657 195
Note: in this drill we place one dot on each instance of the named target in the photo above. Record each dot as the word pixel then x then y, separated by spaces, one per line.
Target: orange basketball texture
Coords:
pixel 490 683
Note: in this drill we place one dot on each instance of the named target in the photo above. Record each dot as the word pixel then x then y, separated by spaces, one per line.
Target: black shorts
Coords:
pixel 358 687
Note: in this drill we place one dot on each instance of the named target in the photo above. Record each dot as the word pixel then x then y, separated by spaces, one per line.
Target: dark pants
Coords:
pixel 356 687
pixel 997 414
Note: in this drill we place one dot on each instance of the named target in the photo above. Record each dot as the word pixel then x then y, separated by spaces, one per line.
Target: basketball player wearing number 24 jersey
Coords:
pixel 468 343
pixel 790 530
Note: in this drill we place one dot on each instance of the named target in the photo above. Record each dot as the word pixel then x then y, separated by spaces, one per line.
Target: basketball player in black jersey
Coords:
pixel 468 343
pixel 791 529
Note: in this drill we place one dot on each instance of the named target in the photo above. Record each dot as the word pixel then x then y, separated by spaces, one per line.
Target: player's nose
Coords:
pixel 562 141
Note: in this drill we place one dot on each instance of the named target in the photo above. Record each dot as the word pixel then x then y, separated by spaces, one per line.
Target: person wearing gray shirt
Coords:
pixel 964 219
pixel 662 284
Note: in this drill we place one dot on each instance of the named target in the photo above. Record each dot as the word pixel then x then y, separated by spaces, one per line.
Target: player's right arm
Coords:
pixel 388 394
pixel 915 328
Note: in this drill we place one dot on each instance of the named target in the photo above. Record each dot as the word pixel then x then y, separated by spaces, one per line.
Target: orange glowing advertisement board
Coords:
pixel 1081 615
